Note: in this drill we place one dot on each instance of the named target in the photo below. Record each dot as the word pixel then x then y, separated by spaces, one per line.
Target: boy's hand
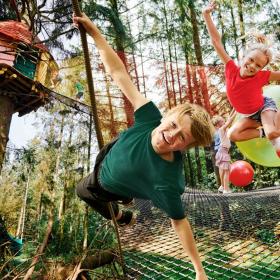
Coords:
pixel 201 275
pixel 84 20
pixel 210 8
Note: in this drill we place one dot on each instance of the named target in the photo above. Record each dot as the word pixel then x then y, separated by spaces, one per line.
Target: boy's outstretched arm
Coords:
pixel 184 232
pixel 113 64
pixel 214 34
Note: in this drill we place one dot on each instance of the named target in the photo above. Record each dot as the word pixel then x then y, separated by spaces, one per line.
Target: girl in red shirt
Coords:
pixel 244 89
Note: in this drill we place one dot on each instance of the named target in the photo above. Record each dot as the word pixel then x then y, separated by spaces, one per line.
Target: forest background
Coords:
pixel 166 49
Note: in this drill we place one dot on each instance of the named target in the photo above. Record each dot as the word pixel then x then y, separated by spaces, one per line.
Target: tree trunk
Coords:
pixel 86 218
pixel 133 58
pixel 241 22
pixel 142 68
pixel 196 40
pixel 191 171
pixel 113 130
pixel 234 29
pixel 121 53
pixel 165 76
pixel 20 229
pixel 221 22
pixel 198 164
pixel 170 56
pixel 178 74
pixel 58 163
pixel 127 105
pixel 6 112
pixel 42 247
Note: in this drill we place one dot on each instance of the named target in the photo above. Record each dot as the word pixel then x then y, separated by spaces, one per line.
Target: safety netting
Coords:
pixel 237 236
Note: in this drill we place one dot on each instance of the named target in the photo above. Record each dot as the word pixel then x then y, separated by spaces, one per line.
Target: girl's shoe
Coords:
pixel 227 191
pixel 220 189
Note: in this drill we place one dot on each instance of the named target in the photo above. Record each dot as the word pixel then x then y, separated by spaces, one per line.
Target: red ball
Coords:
pixel 241 173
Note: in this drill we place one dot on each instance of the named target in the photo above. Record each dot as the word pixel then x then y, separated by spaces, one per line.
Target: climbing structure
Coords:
pixel 25 68
pixel 237 236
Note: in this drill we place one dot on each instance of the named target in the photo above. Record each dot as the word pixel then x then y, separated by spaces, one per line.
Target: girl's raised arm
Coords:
pixel 214 34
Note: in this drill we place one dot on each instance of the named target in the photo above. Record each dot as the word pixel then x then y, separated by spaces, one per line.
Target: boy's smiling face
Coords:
pixel 173 134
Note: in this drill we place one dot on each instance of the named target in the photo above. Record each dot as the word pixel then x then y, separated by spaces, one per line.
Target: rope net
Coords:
pixel 237 236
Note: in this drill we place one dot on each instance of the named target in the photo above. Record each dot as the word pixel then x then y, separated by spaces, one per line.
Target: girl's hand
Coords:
pixel 210 8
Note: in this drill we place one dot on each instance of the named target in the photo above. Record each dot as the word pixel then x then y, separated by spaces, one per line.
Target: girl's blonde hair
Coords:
pixel 260 42
pixel 202 128
pixel 262 48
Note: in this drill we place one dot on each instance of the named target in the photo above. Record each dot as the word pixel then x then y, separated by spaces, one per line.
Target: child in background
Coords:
pixel 222 156
pixel 244 89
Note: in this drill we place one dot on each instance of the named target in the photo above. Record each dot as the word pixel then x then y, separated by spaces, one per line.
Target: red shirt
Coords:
pixel 245 94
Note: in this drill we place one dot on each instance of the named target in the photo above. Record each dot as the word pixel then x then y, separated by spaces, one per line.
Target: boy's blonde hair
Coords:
pixel 202 128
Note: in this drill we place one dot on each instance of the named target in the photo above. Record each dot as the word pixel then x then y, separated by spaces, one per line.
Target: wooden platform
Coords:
pixel 27 95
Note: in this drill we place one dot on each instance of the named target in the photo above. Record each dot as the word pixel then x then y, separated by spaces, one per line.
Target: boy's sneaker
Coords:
pixel 220 189
pixel 128 218
pixel 129 202
pixel 276 145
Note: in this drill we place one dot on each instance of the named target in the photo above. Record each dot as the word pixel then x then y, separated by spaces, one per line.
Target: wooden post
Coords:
pixel 6 112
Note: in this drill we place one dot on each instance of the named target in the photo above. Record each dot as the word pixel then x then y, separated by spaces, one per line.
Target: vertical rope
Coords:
pixel 77 11
pixel 118 237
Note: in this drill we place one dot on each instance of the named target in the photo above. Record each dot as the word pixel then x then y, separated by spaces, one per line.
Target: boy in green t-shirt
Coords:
pixel 146 160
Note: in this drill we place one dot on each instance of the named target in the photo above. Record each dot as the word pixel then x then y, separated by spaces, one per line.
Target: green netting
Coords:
pixel 237 237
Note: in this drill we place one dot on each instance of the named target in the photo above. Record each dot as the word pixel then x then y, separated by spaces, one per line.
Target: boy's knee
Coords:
pixel 80 190
pixel 82 187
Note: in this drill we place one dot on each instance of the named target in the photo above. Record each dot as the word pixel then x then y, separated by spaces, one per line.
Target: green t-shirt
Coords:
pixel 133 169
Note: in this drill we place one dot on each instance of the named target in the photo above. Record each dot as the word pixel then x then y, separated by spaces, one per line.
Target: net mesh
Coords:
pixel 237 236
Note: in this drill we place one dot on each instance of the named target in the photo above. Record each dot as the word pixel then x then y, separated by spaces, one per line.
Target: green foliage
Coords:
pixel 6 11
pixel 266 236
pixel 265 177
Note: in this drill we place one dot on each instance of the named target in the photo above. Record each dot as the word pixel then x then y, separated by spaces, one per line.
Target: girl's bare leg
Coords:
pixel 244 129
pixel 277 120
pixel 221 178
pixel 226 180
pixel 271 124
